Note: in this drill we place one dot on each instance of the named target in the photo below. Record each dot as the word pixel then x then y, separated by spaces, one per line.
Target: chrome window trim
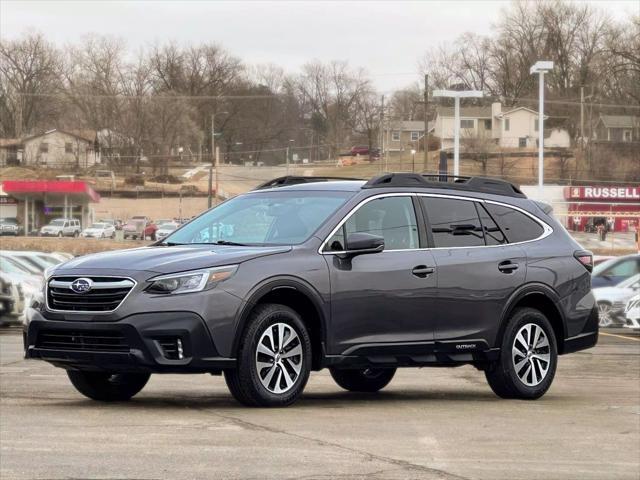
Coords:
pixel 84 312
pixel 546 229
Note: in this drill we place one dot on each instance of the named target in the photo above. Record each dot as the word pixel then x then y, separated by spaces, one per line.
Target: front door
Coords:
pixel 477 272
pixel 381 301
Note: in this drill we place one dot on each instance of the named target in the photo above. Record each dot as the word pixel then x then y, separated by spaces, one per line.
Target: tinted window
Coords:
pixel 492 233
pixel 454 223
pixel 517 226
pixel 392 218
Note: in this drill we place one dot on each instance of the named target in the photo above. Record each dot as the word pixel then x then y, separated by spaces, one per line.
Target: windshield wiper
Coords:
pixel 229 242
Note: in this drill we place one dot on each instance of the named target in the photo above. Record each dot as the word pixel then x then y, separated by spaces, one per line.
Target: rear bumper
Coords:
pixel 587 338
pixel 139 345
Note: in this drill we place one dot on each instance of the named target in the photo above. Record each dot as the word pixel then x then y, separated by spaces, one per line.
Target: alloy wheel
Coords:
pixel 279 358
pixel 605 314
pixel 531 354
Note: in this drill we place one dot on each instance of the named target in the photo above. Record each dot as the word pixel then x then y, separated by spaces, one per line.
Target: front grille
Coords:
pixel 105 294
pixel 88 341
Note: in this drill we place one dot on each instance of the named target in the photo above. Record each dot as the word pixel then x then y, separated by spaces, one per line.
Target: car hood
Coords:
pixel 163 259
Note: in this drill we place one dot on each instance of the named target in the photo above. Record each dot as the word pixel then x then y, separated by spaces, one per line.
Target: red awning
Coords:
pixel 56 187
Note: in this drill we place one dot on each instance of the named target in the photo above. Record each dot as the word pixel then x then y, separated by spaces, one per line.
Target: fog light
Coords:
pixel 180 351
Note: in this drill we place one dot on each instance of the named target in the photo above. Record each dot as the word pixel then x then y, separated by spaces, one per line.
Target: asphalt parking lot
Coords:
pixel 429 423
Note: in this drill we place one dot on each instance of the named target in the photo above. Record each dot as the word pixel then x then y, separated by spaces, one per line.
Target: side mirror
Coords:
pixel 363 243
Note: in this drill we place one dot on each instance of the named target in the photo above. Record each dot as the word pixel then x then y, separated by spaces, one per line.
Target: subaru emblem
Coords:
pixel 81 285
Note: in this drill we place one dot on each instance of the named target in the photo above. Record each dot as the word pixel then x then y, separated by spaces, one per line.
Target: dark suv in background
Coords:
pixel 358 277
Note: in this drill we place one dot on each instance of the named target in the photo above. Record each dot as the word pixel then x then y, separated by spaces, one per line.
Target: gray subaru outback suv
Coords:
pixel 302 274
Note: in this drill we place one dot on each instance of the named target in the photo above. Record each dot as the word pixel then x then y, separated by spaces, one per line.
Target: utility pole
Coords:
pixel 213 159
pixel 381 132
pixel 582 117
pixel 426 122
pixel 541 67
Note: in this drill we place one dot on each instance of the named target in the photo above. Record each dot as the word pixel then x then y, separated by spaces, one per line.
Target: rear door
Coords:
pixel 478 270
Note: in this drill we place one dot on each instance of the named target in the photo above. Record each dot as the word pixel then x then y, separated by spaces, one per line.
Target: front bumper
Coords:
pixel 134 344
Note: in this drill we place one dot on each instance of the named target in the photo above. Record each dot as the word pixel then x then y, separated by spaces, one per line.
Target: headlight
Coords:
pixel 189 282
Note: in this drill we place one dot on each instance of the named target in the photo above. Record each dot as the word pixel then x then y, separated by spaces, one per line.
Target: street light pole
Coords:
pixel 541 67
pixel 457 95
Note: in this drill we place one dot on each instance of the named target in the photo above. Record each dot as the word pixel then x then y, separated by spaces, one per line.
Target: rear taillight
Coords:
pixel 585 257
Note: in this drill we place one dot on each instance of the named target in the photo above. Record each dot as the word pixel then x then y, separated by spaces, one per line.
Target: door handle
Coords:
pixel 507 266
pixel 422 271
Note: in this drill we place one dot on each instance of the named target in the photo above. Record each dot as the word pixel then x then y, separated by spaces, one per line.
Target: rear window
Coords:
pixel 453 223
pixel 516 226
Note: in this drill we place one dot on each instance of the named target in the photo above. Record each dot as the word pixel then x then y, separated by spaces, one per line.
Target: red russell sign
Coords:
pixel 602 193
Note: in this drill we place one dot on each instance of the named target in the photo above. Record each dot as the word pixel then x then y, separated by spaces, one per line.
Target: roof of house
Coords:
pixel 620 121
pixel 508 112
pixel 466 112
pixel 9 142
pixel 86 135
pixel 410 125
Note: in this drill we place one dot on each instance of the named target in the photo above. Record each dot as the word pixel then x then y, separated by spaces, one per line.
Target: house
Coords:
pixel 59 148
pixel 516 127
pixel 618 128
pixel 404 135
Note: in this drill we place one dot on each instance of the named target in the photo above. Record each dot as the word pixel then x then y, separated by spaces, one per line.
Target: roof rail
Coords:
pixel 296 180
pixel 454 182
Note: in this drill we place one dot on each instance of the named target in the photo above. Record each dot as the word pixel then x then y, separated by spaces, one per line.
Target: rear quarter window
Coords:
pixel 517 226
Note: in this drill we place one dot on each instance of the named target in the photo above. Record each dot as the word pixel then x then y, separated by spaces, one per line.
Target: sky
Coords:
pixel 387 38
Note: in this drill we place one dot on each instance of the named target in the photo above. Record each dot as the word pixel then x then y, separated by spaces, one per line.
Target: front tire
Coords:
pixel 363 380
pixel 274 359
pixel 528 358
pixel 108 387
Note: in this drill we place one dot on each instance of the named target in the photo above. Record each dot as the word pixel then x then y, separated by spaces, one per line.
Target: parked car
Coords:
pixel 358 277
pixel 139 229
pixel 62 227
pixel 109 221
pixel 6 298
pixel 10 226
pixel 165 229
pixel 612 301
pixel 99 230
pixel 25 283
pixel 632 312
pixel 615 270
pixel 38 261
pixel 359 150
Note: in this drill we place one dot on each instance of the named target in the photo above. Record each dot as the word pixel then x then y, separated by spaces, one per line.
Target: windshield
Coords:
pixel 7 266
pixel 57 223
pixel 9 221
pixel 98 225
pixel 266 218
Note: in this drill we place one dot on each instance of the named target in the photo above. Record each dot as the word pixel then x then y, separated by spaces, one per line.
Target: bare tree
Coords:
pixel 29 74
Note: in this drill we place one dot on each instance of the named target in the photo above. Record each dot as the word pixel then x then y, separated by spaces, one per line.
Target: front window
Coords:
pixel 415 136
pixel 264 218
pixel 467 124
pixel 392 218
pixel 395 136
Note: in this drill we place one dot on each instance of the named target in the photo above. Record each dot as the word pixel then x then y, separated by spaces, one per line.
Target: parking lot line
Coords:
pixel 620 336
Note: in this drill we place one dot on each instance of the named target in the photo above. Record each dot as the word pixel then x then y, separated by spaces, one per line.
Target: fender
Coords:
pixel 274 283
pixel 522 292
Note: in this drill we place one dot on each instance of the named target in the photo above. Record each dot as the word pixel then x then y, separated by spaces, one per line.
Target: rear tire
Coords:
pixel 108 387
pixel 274 359
pixel 363 380
pixel 525 370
